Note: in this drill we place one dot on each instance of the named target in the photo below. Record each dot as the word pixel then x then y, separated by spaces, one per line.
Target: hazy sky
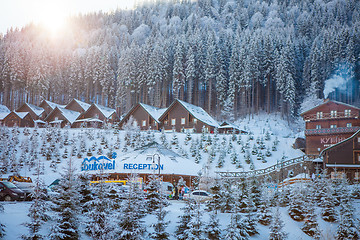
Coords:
pixel 18 13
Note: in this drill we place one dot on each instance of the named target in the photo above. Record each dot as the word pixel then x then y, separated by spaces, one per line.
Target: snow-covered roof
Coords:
pixel 230 125
pixel 21 114
pixel 326 102
pixel 105 110
pixel 57 121
pixel 199 114
pixel 54 105
pixel 40 121
pixel 84 105
pixel 37 110
pixel 4 109
pixel 70 115
pixel 154 112
pixel 3 115
pixel 88 120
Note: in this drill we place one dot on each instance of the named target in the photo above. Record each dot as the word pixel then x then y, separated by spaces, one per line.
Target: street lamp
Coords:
pixel 158 158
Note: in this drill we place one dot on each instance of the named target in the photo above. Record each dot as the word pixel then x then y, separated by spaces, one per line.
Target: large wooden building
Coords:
pixel 343 159
pixel 95 116
pixel 328 124
pixel 77 105
pixel 35 111
pixel 182 115
pixel 62 117
pixel 49 106
pixel 146 116
pixel 19 119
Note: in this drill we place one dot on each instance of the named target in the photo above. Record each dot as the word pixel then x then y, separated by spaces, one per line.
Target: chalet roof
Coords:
pixel 337 144
pixel 37 110
pixel 70 115
pixel 107 112
pixel 229 125
pixel 54 105
pixel 326 102
pixel 84 105
pixel 4 109
pixel 154 112
pixel 197 112
pixel 21 115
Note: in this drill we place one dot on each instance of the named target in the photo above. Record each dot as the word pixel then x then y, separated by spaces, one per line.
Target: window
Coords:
pixel 319 115
pixel 318 126
pixel 347 112
pixel 143 123
pixel 333 126
pixel 358 139
pixel 56 118
pixel 173 121
pixel 349 125
pixel 166 122
pixel 195 120
pixel 333 113
pixel 182 121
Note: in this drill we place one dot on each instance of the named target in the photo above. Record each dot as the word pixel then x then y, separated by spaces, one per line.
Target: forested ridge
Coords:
pixel 230 57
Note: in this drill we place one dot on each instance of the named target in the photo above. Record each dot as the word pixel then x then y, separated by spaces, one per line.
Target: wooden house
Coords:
pixel 96 116
pixel 35 111
pixel 181 115
pixel 146 116
pixel 62 117
pixel 343 158
pixel 4 111
pixel 230 128
pixel 49 106
pixel 77 105
pixel 328 124
pixel 20 119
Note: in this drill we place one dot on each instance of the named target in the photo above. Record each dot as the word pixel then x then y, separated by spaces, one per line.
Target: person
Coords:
pixel 176 193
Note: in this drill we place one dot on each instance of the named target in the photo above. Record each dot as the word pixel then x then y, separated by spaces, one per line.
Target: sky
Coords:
pixel 51 13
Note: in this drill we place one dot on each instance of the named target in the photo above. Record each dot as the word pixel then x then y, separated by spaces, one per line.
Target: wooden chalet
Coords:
pixel 328 124
pixel 35 111
pixel 19 119
pixel 343 158
pixel 145 115
pixel 4 111
pixel 181 115
pixel 49 106
pixel 96 116
pixel 78 106
pixel 230 128
pixel 62 117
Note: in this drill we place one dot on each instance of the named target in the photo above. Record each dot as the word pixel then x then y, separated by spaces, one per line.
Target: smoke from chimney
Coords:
pixel 343 75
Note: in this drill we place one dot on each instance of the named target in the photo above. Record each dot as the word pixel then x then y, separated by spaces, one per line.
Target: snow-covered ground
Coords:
pixel 14 217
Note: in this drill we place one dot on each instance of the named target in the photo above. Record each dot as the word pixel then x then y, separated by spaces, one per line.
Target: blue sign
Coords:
pixel 93 163
pixel 143 166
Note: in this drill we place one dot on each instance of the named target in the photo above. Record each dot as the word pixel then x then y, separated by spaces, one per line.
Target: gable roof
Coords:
pixel 4 109
pixel 21 115
pixel 37 110
pixel 85 106
pixel 197 112
pixel 326 102
pixel 53 105
pixel 107 112
pixel 154 112
pixel 70 115
pixel 337 144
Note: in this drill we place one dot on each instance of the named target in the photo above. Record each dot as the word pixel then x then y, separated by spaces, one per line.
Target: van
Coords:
pixel 10 192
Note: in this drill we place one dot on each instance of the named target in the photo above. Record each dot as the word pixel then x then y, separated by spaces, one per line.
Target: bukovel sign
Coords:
pixel 98 163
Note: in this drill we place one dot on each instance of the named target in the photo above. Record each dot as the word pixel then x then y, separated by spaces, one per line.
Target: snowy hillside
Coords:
pixel 269 141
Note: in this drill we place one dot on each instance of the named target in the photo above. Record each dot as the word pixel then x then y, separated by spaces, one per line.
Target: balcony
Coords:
pixel 326 116
pixel 324 131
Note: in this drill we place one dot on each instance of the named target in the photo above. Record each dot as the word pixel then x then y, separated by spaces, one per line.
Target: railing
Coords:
pixel 326 116
pixel 268 170
pixel 331 130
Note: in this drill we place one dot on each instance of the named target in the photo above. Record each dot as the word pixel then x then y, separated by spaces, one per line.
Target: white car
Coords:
pixel 199 195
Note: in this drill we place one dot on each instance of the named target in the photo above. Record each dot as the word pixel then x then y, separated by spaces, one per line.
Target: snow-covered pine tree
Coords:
pixel 264 212
pixel 227 196
pixel 310 226
pixel 185 218
pixel 328 206
pixel 212 229
pixel 85 191
pixel 155 198
pixel 195 227
pixel 2 226
pixel 37 210
pixel 348 228
pixel 130 225
pixel 214 204
pixel 65 206
pixel 98 211
pixel 160 232
pixel 296 205
pixel 276 227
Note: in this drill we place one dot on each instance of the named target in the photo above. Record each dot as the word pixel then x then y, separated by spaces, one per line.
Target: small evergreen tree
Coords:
pixel 212 229
pixel 276 227
pixel 160 226
pixel 347 229
pixel 185 218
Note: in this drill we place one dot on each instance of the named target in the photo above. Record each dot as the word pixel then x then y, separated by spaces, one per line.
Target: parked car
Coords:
pixel 199 195
pixel 27 188
pixel 10 192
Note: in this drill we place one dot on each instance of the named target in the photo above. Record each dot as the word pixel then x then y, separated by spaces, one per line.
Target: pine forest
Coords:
pixel 232 58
